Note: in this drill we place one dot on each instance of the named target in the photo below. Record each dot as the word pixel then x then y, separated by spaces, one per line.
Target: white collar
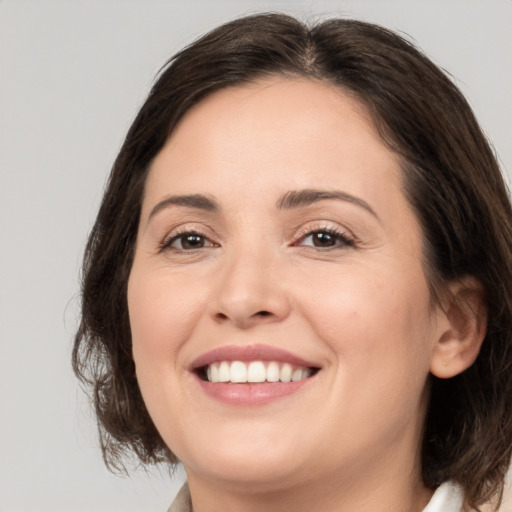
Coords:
pixel 447 498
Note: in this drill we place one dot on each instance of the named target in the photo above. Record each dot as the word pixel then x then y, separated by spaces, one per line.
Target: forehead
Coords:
pixel 279 111
pixel 290 127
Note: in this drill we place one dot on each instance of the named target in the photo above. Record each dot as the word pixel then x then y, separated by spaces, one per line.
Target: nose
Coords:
pixel 250 292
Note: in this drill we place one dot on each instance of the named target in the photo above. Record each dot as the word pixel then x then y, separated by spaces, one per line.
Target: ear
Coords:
pixel 462 325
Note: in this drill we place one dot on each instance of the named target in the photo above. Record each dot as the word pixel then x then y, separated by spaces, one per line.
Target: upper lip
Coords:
pixel 250 353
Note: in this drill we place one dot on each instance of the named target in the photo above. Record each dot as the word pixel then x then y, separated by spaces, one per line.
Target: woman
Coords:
pixel 298 281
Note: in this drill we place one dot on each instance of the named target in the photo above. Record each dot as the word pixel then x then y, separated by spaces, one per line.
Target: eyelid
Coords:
pixel 343 234
pixel 187 229
pixel 317 226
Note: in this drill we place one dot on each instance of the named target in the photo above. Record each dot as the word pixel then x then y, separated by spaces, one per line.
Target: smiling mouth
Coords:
pixel 250 372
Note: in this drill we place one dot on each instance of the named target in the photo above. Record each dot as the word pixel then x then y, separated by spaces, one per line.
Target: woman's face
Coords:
pixel 275 243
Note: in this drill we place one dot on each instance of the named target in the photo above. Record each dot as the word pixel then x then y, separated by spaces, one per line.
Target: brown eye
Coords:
pixel 191 241
pixel 323 239
pixel 326 240
pixel 187 242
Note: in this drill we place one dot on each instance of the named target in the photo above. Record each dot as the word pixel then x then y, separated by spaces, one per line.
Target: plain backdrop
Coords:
pixel 72 75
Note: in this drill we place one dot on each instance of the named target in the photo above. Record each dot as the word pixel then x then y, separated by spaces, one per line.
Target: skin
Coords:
pixel 360 308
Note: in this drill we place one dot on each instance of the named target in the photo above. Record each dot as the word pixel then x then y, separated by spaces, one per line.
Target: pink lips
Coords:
pixel 249 394
pixel 250 353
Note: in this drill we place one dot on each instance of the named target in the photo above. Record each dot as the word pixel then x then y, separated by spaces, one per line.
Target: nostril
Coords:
pixel 244 319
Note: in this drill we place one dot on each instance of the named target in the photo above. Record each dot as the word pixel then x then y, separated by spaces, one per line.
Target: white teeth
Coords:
pixel 255 371
pixel 273 372
pixel 296 375
pixel 224 372
pixel 286 373
pixel 214 375
pixel 238 372
pixel 301 374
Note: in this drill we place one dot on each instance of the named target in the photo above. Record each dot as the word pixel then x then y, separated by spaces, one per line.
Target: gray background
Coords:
pixel 72 75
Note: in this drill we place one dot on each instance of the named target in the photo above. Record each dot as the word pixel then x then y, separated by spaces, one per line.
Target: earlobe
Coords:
pixel 462 328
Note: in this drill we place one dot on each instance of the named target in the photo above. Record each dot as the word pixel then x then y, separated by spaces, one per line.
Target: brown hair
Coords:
pixel 451 178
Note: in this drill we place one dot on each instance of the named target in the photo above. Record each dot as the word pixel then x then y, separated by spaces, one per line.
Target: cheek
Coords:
pixel 162 315
pixel 377 325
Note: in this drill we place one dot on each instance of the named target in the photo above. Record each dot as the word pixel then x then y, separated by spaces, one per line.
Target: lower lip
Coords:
pixel 251 394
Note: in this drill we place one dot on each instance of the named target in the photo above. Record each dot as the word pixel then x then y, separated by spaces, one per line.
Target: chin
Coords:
pixel 261 463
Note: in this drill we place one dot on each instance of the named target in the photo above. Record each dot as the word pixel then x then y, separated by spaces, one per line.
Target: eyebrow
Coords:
pixel 291 200
pixel 299 198
pixel 197 201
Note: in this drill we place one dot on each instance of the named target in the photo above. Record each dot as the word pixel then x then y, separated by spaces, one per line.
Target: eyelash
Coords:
pixel 341 240
pixel 167 243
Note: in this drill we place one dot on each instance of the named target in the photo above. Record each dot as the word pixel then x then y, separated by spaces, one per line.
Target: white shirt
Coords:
pixel 447 498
